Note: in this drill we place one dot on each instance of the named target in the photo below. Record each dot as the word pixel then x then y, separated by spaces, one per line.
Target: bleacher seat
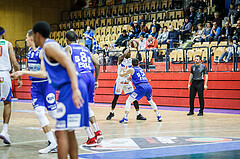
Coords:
pixel 115 10
pixel 109 22
pixel 103 22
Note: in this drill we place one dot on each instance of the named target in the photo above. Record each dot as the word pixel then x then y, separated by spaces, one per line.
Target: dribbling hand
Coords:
pixel 77 99
pixel 96 85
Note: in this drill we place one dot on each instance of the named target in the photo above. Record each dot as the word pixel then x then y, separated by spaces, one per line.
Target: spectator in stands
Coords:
pixel 123 39
pixel 237 15
pixel 154 24
pixel 217 19
pixel 231 49
pixel 154 33
pixel 88 36
pixel 142 43
pixel 152 44
pixel 186 28
pixel 143 29
pixel 199 17
pixel 162 38
pixel 173 36
pixel 142 19
pixel 200 4
pixel 227 32
pixel 231 14
pixel 199 34
pixel 206 32
pixel 135 30
pixel 104 57
pixel 191 4
pixel 237 32
pixel 191 14
pixel 215 32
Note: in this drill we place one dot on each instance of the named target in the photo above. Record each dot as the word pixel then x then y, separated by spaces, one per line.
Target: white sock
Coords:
pixel 157 113
pixel 112 111
pixel 51 137
pixel 89 132
pixel 95 127
pixel 138 112
pixel 126 116
pixel 5 127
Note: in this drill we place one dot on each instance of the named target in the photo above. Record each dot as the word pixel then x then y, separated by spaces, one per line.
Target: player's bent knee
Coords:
pixel 153 104
pixel 40 113
pixel 128 103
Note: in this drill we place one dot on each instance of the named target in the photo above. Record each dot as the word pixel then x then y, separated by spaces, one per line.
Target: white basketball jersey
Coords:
pixel 4 56
pixel 122 68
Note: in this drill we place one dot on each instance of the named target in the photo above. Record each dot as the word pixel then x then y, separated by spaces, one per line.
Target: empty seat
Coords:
pixel 92 23
pixel 179 14
pixel 114 30
pixel 119 29
pixel 121 9
pixel 103 22
pixel 79 15
pixel 103 31
pixel 125 20
pixel 136 7
pixel 109 22
pixel 114 10
pixel 171 15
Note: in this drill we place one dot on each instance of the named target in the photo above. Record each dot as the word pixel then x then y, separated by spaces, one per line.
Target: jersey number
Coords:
pixel 1 51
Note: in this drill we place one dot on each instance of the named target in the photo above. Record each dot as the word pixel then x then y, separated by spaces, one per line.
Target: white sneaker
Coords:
pixel 4 135
pixel 226 61
pixel 52 148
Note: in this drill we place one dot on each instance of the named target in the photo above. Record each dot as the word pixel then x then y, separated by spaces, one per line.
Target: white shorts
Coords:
pixel 118 87
pixel 5 85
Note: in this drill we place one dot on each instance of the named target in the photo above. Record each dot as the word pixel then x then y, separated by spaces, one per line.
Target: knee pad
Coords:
pixel 53 113
pixel 91 113
pixel 153 104
pixel 40 113
pixel 128 103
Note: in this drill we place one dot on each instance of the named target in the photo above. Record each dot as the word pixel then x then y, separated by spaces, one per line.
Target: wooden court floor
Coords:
pixel 198 135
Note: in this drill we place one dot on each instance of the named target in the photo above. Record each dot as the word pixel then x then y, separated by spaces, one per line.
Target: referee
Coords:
pixel 198 70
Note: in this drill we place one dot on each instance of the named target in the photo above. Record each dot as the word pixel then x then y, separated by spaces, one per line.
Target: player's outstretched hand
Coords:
pixel 15 75
pixel 20 83
pixel 77 99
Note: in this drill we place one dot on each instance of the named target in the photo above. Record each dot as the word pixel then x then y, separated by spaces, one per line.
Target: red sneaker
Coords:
pixel 98 136
pixel 91 142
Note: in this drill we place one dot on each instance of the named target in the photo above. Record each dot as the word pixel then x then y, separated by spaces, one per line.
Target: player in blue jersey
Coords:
pixel 72 109
pixel 85 63
pixel 42 93
pixel 143 88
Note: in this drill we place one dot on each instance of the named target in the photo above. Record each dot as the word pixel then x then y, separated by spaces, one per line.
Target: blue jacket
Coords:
pixel 216 32
pixel 87 40
pixel 173 35
pixel 187 27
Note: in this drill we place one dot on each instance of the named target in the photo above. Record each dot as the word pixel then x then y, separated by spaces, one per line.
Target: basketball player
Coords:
pixel 143 88
pixel 72 110
pixel 7 59
pixel 124 83
pixel 42 93
pixel 85 63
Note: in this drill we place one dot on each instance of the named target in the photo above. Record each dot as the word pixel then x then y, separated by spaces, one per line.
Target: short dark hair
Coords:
pixel 71 36
pixel 165 27
pixel 2 30
pixel 30 32
pixel 199 57
pixel 134 61
pixel 124 31
pixel 42 28
pixel 106 45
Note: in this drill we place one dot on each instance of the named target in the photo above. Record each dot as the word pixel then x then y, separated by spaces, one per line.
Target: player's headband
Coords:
pixel 2 32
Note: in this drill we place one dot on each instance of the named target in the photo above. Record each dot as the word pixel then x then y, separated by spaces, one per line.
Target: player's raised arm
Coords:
pixel 55 52
pixel 125 53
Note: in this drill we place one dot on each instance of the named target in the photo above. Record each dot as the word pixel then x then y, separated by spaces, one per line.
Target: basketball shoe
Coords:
pixel 109 117
pixel 51 148
pixel 140 117
pixel 91 142
pixel 4 135
pixel 99 136
pixel 124 120
pixel 159 118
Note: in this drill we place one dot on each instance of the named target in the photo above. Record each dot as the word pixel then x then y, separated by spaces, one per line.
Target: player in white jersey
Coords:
pixel 7 59
pixel 124 83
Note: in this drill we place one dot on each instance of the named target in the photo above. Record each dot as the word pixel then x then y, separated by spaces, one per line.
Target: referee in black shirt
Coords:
pixel 198 70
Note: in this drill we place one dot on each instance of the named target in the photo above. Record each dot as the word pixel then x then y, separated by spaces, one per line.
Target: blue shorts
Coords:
pixel 143 89
pixel 9 97
pixel 68 116
pixel 89 80
pixel 43 94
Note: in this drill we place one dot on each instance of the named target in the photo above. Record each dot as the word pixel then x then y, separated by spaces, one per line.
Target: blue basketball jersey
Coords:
pixel 138 76
pixel 34 62
pixel 57 74
pixel 82 59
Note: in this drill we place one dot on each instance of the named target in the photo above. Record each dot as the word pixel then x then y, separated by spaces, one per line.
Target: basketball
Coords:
pixel 134 43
